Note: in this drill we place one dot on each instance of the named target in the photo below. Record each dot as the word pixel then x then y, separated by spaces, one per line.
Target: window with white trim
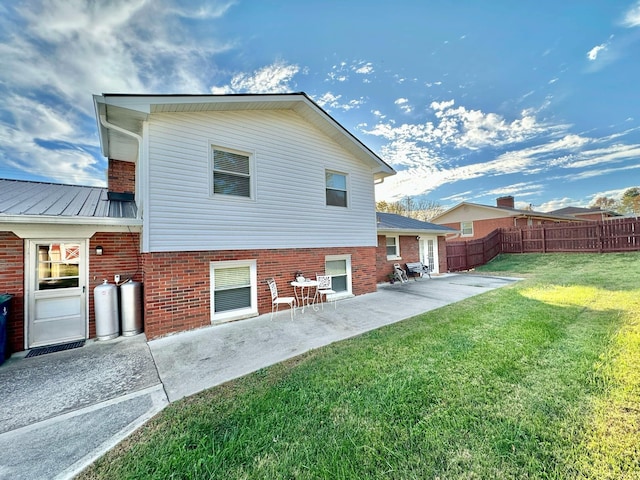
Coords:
pixel 233 290
pixel 393 248
pixel 467 229
pixel 339 267
pixel 231 173
pixel 336 188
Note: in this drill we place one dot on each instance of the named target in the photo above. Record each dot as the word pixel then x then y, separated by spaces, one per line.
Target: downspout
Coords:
pixel 138 138
pixel 139 194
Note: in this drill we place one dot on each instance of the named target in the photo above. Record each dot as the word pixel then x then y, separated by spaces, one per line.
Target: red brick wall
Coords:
pixel 12 282
pixel 409 250
pixel 177 291
pixel 121 256
pixel 121 176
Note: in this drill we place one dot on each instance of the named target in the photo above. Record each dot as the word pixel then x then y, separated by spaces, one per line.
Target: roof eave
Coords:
pixel 300 102
pixel 48 219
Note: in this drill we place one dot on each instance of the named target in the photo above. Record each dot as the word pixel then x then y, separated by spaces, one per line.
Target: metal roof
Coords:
pixel 392 221
pixel 27 198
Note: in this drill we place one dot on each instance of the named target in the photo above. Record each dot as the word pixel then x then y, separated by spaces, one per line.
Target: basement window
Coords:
pixel 233 290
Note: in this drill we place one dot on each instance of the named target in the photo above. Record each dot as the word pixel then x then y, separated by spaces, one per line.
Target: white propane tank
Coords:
pixel 131 308
pixel 105 299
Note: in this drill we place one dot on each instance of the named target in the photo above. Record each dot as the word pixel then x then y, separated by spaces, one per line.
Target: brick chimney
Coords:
pixel 506 202
pixel 121 176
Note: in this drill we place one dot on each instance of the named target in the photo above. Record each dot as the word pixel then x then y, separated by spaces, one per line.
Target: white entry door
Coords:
pixel 56 309
pixel 429 253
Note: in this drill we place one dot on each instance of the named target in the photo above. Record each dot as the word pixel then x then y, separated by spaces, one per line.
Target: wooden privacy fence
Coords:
pixel 618 235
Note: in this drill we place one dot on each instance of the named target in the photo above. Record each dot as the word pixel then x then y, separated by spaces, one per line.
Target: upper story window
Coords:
pixel 467 229
pixel 393 248
pixel 336 184
pixel 231 173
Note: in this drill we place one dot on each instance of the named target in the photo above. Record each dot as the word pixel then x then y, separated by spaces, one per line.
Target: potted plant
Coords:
pixel 299 277
pixel 392 278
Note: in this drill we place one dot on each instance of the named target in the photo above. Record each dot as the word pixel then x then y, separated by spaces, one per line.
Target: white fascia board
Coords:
pixel 50 220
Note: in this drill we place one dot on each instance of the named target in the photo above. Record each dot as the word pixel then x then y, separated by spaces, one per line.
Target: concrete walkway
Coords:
pixel 59 412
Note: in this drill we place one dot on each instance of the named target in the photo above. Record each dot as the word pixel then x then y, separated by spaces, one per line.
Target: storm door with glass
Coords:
pixel 56 308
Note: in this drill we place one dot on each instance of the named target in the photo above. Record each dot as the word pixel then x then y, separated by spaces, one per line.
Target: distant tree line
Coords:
pixel 629 203
pixel 423 210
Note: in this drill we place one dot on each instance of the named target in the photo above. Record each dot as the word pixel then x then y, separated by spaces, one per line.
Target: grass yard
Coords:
pixel 540 379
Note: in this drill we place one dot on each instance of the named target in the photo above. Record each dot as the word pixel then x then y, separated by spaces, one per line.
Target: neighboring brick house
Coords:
pixel 581 213
pixel 402 239
pixel 208 195
pixel 474 221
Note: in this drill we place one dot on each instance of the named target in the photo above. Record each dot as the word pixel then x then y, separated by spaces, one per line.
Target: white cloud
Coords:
pixel 63 51
pixel 558 203
pixel 632 16
pixel 204 12
pixel 274 78
pixel 593 53
pixel 432 154
pixel 403 104
pixel 329 101
pixel 364 68
pixel 24 142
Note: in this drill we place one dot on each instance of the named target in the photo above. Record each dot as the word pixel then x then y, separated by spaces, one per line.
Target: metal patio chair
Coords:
pixel 325 288
pixel 277 300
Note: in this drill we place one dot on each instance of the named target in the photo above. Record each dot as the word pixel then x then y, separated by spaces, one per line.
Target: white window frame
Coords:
pixel 250 311
pixel 395 256
pixel 252 172
pixel 462 229
pixel 346 191
pixel 347 258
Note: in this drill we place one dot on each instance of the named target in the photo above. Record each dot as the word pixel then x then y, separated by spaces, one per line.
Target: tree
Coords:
pixel 423 210
pixel 604 203
pixel 630 201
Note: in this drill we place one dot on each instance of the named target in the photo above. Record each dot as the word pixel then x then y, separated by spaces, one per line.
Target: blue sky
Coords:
pixel 467 100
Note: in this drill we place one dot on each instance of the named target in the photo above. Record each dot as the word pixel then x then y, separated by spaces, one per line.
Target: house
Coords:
pixel 207 196
pixel 402 239
pixel 477 221
pixel 581 213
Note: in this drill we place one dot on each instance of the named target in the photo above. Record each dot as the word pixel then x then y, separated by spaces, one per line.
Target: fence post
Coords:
pixel 544 241
pixel 601 237
pixel 521 242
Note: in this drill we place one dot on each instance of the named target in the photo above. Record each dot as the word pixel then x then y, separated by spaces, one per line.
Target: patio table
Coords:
pixel 304 297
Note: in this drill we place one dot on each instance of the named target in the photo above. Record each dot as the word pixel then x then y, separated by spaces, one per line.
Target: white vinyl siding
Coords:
pixel 233 290
pixel 290 161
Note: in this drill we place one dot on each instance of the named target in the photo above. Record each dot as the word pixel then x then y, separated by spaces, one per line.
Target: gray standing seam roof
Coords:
pixel 21 197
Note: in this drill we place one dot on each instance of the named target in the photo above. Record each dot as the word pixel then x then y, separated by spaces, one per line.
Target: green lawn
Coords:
pixel 540 379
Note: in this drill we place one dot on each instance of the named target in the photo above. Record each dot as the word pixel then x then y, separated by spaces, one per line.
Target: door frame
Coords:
pixel 30 279
pixel 424 251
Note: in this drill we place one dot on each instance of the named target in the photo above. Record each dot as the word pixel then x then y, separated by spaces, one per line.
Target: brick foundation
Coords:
pixel 121 256
pixel 177 290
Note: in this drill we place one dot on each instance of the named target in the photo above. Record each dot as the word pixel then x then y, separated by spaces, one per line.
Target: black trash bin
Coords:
pixel 5 300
